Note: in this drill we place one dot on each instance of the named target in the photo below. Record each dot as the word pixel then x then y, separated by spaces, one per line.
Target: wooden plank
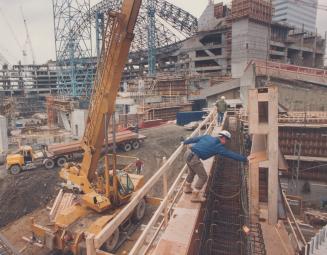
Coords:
pixel 273 155
pixel 55 205
pixel 100 252
pixel 177 237
pixel 157 214
pixel 302 125
pixel 165 192
pixel 306 158
pixel 90 248
pixel 294 234
pixel 293 218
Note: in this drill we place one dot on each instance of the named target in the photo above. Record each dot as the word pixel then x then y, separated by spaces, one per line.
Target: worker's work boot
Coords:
pixel 197 197
pixel 187 188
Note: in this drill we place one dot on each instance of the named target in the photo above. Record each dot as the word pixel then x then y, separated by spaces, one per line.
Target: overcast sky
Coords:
pixel 39 16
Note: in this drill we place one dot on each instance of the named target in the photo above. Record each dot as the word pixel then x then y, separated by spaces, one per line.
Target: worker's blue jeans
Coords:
pixel 220 117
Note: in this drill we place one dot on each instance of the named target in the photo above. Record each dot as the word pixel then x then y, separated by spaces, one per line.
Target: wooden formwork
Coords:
pixel 258 10
pixel 50 111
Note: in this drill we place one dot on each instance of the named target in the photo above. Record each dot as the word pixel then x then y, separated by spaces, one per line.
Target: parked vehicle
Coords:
pixel 28 157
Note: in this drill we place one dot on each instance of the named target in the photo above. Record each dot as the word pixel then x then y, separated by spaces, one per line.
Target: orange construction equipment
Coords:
pixel 96 198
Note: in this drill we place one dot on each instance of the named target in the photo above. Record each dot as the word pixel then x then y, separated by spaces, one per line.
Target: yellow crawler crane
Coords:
pixel 96 199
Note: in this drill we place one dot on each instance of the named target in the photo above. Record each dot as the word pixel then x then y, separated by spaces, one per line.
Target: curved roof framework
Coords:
pixel 74 35
pixel 172 23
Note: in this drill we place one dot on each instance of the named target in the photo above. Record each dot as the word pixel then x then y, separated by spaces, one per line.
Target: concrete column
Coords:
pixel 78 121
pixel 3 135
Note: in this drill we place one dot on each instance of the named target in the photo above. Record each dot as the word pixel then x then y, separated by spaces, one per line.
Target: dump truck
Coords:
pixel 79 214
pixel 48 156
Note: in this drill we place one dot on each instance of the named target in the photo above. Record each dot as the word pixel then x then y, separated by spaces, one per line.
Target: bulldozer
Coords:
pixel 90 200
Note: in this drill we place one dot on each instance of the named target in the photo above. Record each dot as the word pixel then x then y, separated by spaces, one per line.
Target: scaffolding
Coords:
pixel 50 111
pixel 73 47
pixel 151 37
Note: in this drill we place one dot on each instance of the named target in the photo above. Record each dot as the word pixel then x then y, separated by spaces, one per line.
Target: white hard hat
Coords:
pixel 225 134
pixel 223 98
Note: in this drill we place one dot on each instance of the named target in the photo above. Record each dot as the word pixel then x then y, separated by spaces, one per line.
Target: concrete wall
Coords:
pixel 249 41
pixel 78 121
pixel 247 82
pixel 317 194
pixel 298 98
pixel 3 135
pixel 295 96
pixel 207 20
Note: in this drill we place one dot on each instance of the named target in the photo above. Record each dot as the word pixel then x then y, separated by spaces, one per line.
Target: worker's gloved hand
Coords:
pixel 250 158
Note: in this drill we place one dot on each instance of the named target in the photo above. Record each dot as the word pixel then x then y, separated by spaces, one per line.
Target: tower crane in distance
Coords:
pixel 28 42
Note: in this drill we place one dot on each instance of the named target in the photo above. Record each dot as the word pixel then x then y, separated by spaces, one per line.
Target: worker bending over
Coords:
pixel 203 148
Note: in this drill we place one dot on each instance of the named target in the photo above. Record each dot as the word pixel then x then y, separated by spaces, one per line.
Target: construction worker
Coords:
pixel 139 166
pixel 221 109
pixel 203 148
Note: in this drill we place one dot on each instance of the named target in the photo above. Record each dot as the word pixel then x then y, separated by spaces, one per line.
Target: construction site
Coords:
pixel 93 144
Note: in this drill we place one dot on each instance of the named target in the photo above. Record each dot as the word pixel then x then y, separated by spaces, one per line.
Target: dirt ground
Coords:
pixel 30 192
pixel 161 142
pixel 23 193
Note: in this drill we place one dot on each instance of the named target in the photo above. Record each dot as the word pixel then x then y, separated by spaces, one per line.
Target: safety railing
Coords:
pixel 166 205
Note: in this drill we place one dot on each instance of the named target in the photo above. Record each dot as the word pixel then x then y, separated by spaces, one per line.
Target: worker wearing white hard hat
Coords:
pixel 204 147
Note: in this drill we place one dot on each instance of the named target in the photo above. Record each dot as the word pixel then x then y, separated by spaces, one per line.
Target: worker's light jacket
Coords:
pixel 207 146
pixel 221 106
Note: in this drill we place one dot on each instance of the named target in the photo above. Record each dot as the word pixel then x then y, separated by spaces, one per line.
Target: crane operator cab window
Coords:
pixel 125 183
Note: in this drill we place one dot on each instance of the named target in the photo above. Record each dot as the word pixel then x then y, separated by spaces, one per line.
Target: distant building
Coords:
pixel 301 14
pixel 228 38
